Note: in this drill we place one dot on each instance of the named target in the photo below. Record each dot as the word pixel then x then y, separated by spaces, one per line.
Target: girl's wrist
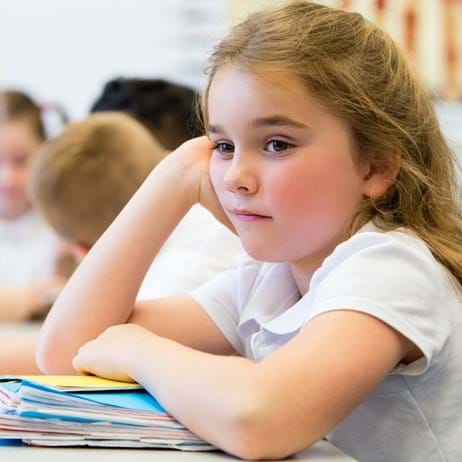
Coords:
pixel 177 176
pixel 141 354
pixel 149 357
pixel 190 164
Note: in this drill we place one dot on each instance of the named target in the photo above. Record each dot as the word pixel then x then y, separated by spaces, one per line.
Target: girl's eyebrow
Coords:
pixel 271 121
pixel 277 120
pixel 214 129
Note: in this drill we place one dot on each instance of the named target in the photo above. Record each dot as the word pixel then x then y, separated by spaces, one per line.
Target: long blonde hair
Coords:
pixel 361 75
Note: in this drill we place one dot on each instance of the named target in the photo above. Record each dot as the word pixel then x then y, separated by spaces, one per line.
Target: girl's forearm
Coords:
pixel 190 383
pixel 103 290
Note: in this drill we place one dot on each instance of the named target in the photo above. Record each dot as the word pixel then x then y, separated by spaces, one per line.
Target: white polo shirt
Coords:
pixel 28 249
pixel 416 413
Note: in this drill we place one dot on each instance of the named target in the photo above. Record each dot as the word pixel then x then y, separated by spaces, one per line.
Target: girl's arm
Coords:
pixel 103 289
pixel 264 410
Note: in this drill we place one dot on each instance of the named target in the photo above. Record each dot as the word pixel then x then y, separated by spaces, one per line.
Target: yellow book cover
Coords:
pixel 74 382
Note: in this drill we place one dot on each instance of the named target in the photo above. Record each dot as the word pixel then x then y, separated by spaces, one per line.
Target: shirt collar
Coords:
pixel 284 309
pixel 275 293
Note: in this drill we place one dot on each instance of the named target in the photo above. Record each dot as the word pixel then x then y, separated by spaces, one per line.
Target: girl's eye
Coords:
pixel 224 148
pixel 278 146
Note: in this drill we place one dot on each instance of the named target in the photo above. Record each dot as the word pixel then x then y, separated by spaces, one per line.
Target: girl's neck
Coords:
pixel 303 269
pixel 302 272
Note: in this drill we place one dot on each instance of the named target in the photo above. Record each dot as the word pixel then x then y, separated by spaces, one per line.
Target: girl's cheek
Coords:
pixel 216 176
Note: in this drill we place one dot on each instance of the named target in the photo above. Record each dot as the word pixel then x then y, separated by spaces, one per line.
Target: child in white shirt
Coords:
pixel 324 154
pixel 28 247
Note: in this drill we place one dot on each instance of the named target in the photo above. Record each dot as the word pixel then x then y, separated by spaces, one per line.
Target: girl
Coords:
pixel 28 248
pixel 326 158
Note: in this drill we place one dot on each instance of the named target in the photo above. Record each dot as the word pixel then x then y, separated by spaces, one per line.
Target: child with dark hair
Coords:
pixel 167 109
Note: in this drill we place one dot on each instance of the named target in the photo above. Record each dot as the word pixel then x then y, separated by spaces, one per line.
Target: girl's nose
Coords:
pixel 241 176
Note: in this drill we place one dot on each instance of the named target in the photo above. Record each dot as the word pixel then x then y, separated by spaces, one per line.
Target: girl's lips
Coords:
pixel 245 215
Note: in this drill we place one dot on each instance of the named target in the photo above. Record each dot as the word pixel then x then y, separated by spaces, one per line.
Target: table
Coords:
pixel 320 452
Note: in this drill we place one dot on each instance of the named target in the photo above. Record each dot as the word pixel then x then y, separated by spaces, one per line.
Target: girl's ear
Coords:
pixel 378 178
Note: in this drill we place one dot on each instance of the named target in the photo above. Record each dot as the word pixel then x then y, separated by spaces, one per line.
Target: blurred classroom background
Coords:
pixel 63 52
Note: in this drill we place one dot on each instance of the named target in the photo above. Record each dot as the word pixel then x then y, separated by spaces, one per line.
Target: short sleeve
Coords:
pixel 226 296
pixel 218 299
pixel 395 278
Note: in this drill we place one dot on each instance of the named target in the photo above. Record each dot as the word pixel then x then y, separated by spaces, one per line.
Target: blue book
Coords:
pixel 42 411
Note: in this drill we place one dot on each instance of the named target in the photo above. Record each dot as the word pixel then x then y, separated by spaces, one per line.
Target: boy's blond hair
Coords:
pixel 82 179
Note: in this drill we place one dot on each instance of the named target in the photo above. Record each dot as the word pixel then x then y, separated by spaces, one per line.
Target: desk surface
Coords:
pixel 320 452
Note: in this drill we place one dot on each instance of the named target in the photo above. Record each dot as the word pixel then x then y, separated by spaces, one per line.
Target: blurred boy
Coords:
pixel 82 180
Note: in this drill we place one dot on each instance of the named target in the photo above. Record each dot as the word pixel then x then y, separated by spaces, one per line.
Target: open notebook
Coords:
pixel 87 411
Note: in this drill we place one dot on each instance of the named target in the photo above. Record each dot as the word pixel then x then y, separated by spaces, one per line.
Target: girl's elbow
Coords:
pixel 257 444
pixel 256 436
pixel 48 357
pixel 251 450
pixel 44 356
pixel 261 445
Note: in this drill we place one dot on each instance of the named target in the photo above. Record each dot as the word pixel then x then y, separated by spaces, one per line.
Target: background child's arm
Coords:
pixel 261 410
pixel 21 303
pixel 103 289
pixel 32 300
pixel 17 355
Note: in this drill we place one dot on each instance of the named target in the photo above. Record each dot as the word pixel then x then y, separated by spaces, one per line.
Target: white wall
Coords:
pixel 450 116
pixel 64 50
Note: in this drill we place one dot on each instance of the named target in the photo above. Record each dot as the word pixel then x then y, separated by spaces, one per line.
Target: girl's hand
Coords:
pixel 113 352
pixel 194 157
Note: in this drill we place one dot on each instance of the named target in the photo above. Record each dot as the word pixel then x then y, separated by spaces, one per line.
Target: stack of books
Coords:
pixel 88 411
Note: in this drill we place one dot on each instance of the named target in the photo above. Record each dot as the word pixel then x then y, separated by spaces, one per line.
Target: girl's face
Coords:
pixel 282 166
pixel 17 146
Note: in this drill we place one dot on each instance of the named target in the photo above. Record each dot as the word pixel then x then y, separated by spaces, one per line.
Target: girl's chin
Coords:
pixel 263 253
